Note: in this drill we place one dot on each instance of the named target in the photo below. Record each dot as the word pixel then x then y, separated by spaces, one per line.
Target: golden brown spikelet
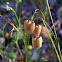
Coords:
pixel 37 30
pixel 39 42
pixel 34 42
pixel 44 32
pixel 27 24
pixel 32 28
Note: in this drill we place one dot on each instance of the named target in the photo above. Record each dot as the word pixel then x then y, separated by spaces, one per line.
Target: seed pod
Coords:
pixel 39 42
pixel 27 24
pixel 34 42
pixel 32 28
pixel 37 30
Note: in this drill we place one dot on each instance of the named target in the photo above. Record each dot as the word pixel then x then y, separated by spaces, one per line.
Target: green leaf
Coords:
pixel 12 55
pixel 1 50
pixel 20 0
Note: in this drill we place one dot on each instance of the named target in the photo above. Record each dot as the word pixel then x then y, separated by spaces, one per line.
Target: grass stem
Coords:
pixel 58 46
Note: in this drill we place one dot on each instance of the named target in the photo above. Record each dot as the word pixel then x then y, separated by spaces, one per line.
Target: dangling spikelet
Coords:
pixel 32 27
pixel 39 42
pixel 27 24
pixel 37 30
pixel 34 42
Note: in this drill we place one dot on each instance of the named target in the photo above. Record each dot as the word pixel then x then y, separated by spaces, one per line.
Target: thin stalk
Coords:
pixel 16 4
pixel 58 46
pixel 33 54
pixel 51 37
pixel 35 13
pixel 19 48
pixel 12 25
pixel 26 50
pixel 26 45
pixel 16 17
pixel 52 20
pixel 11 33
pixel 49 27
pixel 2 32
pixel 20 14
pixel 16 30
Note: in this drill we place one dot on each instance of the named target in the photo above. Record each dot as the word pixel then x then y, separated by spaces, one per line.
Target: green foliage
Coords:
pixel 1 51
pixel 12 55
pixel 20 0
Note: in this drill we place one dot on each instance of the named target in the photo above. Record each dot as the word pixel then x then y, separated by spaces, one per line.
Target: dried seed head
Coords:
pixel 37 30
pixel 34 42
pixel 39 42
pixel 32 28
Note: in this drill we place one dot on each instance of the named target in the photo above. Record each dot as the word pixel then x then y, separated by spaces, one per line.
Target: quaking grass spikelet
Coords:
pixel 39 42
pixel 32 28
pixel 27 24
pixel 34 42
pixel 37 30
